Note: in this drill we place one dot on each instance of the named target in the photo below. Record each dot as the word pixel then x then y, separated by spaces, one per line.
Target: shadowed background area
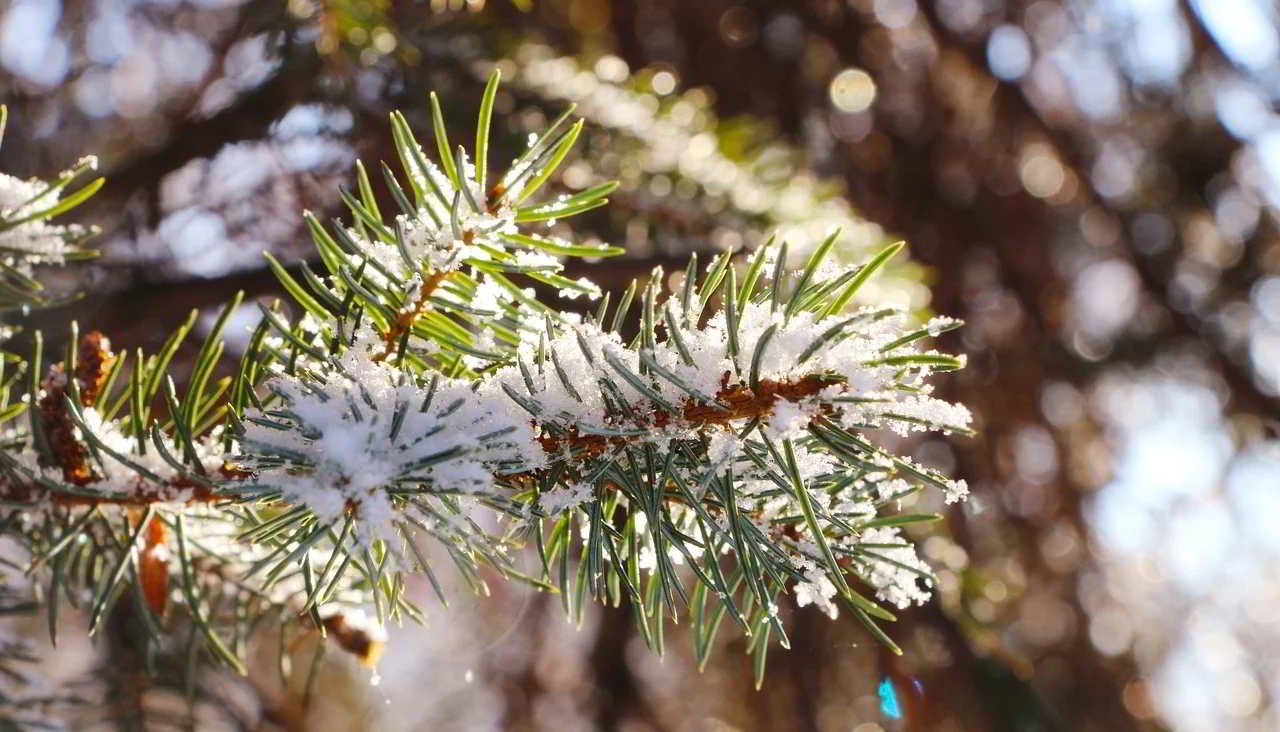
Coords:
pixel 1092 185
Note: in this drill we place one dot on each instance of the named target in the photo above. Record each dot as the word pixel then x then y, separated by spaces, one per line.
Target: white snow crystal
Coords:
pixel 564 498
pixel 342 445
pixel 40 240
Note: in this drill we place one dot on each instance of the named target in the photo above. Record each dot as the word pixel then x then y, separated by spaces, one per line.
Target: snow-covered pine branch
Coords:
pixel 368 440
pixel 744 429
pixel 700 452
pixel 759 415
pixel 28 236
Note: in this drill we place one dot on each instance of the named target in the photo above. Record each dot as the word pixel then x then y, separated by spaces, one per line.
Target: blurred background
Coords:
pixel 1093 185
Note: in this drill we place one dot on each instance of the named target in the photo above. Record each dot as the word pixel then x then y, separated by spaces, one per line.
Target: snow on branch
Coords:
pixel 28 236
pixel 700 451
pixel 361 435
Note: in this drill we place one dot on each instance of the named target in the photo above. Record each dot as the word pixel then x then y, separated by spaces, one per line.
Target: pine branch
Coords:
pixel 426 393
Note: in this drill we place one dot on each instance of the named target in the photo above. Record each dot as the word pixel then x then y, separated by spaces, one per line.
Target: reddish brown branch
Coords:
pixel 740 401
pixel 406 319
pixel 736 401
pixel 199 493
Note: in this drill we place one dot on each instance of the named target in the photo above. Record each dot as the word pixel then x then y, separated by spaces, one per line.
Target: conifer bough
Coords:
pixel 695 453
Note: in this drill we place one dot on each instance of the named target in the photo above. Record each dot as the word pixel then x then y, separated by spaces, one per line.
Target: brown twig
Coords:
pixel 30 493
pixel 406 318
pixel 739 400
